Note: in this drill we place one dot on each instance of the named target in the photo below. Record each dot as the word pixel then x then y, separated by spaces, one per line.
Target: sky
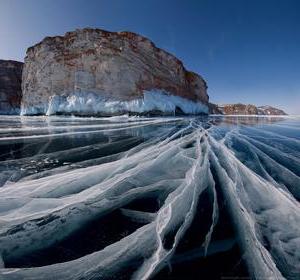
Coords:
pixel 248 51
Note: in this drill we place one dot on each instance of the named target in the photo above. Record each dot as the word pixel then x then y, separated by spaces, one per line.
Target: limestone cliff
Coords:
pixel 10 86
pixel 92 71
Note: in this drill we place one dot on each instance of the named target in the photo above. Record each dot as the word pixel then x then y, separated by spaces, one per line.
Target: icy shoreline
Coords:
pixel 89 104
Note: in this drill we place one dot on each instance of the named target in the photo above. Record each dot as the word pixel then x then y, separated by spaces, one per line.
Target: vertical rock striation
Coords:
pixel 10 86
pixel 92 71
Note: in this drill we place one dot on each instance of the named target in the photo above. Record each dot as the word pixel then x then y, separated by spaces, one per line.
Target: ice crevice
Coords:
pixel 152 186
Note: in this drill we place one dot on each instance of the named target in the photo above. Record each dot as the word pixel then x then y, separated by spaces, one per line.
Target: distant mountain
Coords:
pixel 244 109
pixel 269 110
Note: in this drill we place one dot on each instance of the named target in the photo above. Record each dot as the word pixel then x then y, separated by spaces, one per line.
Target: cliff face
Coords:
pixel 10 86
pixel 243 109
pixel 92 71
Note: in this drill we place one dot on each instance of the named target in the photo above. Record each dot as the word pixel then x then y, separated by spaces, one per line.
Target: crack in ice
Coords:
pixel 153 176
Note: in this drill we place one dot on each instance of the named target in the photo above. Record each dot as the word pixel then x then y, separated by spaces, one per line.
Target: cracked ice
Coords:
pixel 89 198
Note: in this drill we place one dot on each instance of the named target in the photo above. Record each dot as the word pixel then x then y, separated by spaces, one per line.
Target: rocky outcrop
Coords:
pixel 214 109
pixel 92 71
pixel 243 109
pixel 269 110
pixel 10 86
pixel 238 109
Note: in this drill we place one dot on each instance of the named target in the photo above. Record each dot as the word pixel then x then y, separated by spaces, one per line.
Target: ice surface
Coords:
pixel 90 103
pixel 63 178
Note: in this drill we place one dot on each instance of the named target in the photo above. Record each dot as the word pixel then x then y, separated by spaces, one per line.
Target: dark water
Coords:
pixel 149 198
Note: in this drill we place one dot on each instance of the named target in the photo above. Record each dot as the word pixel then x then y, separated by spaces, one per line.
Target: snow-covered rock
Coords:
pixel 10 86
pixel 92 71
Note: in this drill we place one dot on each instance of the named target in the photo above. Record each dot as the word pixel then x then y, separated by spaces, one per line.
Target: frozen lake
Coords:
pixel 140 198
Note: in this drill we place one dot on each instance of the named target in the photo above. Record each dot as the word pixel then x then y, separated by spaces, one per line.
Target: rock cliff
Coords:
pixel 10 86
pixel 92 71
pixel 214 109
pixel 244 109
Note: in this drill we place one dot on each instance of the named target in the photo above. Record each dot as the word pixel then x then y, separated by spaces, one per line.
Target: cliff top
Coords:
pixel 125 35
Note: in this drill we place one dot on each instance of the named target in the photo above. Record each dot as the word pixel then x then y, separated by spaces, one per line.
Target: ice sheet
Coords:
pixel 151 173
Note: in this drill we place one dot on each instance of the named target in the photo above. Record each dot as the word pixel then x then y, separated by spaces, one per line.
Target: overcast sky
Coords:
pixel 247 51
